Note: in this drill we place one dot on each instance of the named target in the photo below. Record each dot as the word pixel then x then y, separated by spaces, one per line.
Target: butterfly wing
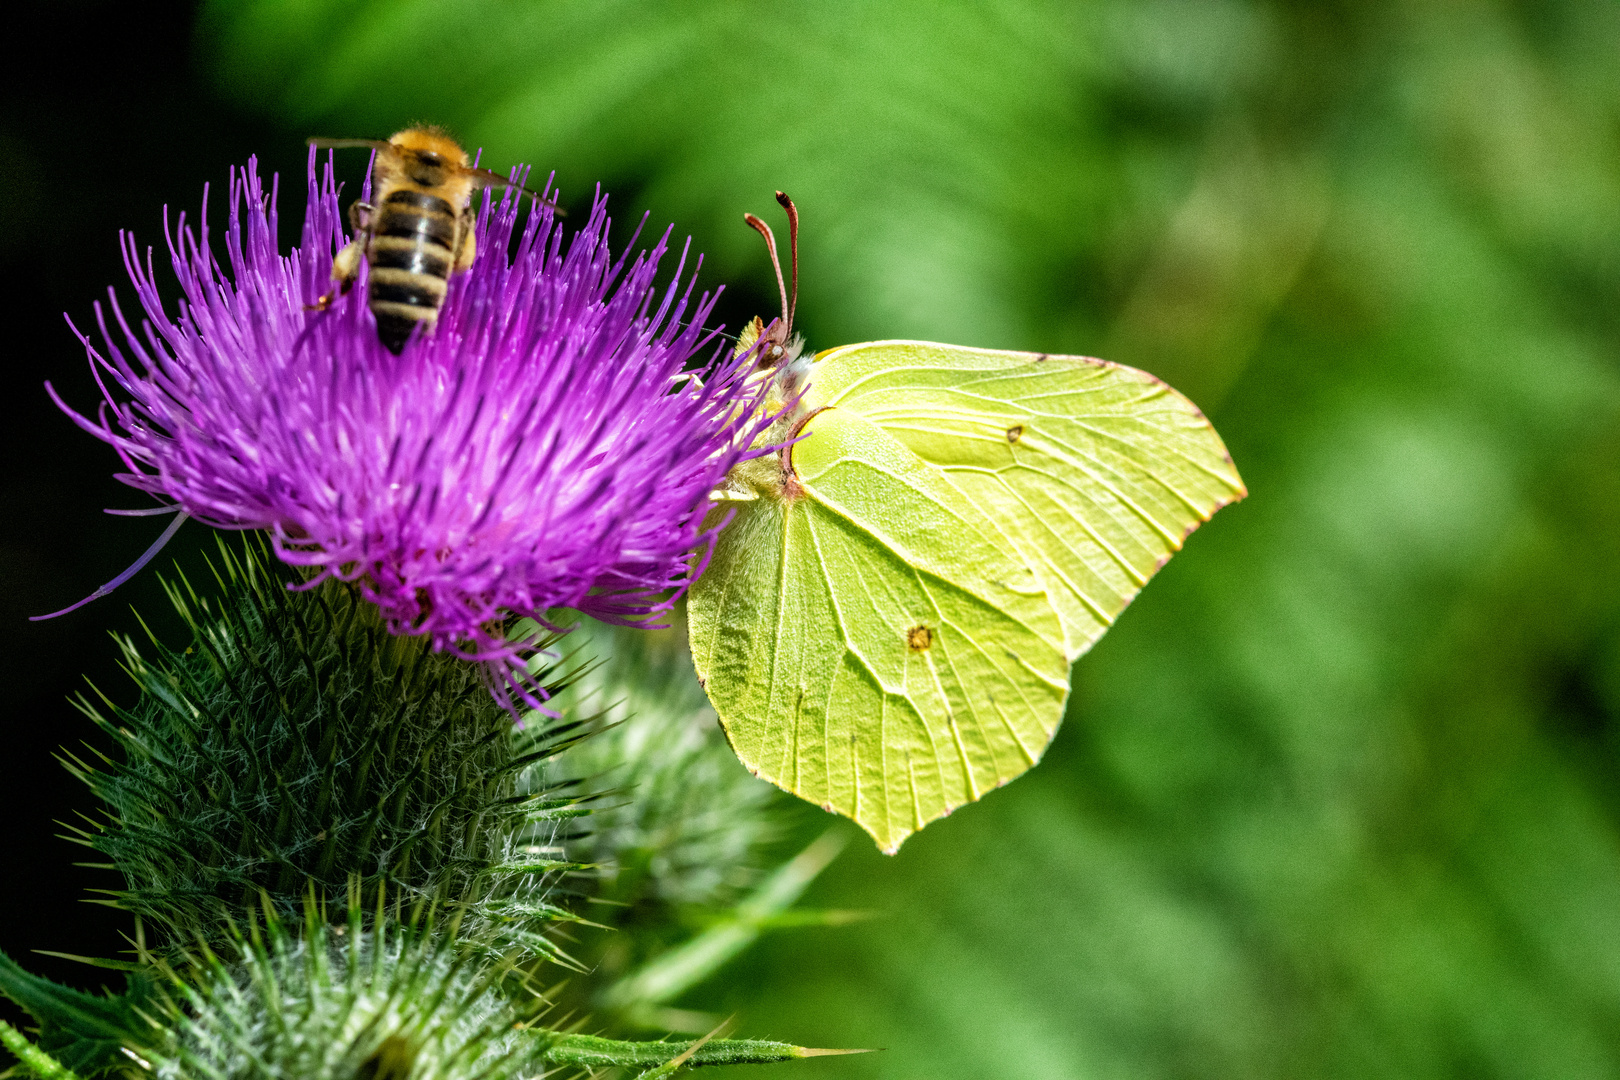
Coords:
pixel 876 645
pixel 893 639
pixel 1095 472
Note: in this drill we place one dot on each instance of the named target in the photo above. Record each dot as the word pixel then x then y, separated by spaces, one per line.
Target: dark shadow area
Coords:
pixel 104 124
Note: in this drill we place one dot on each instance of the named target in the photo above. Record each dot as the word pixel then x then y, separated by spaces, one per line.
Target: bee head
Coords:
pixel 430 146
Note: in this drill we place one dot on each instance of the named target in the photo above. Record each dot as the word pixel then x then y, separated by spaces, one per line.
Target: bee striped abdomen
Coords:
pixel 413 241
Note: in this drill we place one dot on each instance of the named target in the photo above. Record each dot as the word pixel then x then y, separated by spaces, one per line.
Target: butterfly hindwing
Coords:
pixel 875 645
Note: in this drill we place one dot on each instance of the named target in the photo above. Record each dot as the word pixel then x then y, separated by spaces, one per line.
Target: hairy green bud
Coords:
pixel 296 748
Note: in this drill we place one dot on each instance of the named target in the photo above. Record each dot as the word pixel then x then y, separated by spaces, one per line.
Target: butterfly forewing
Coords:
pixel 1094 471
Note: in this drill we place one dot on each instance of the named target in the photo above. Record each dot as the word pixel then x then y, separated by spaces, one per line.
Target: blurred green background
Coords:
pixel 1340 794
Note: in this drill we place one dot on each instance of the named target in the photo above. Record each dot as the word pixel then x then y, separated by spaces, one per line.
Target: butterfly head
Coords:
pixel 781 370
pixel 779 347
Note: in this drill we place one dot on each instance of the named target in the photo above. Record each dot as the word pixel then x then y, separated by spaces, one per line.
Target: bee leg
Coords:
pixel 345 268
pixel 360 216
pixel 467 246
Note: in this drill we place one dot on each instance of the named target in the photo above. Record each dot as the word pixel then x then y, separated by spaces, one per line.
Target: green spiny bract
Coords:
pixel 388 1002
pixel 341 1002
pixel 682 836
pixel 692 826
pixel 297 748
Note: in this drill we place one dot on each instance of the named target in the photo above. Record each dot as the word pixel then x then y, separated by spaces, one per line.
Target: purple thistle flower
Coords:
pixel 540 449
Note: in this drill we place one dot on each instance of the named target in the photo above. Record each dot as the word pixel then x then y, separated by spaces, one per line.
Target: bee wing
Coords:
pixel 344 144
pixel 485 177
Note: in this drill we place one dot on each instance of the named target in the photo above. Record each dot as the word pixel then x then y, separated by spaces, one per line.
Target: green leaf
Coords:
pixel 887 626
pixel 679 969
pixel 591 1052
pixel 32 1057
pixel 81 1032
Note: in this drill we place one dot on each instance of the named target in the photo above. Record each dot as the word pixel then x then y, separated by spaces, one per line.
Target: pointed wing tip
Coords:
pixel 1240 491
pixel 888 844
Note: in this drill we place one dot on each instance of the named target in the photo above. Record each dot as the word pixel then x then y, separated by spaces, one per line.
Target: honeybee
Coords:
pixel 416 233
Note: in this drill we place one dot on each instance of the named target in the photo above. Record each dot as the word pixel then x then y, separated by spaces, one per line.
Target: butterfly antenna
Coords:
pixel 793 243
pixel 770 245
